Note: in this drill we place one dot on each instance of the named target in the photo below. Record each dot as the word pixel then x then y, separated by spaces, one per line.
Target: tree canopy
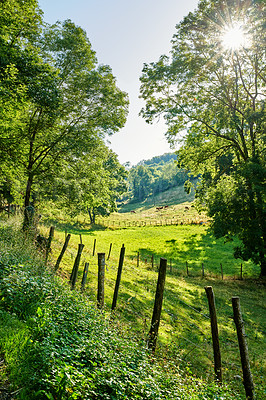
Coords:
pixel 211 92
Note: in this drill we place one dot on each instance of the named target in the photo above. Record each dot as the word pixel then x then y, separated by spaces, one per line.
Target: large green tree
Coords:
pixel 72 104
pixel 141 181
pixel 90 183
pixel 211 92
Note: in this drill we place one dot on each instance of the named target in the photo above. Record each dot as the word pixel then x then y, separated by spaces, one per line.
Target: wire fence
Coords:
pixel 130 223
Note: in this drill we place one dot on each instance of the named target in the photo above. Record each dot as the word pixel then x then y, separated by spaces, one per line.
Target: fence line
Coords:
pixel 194 309
pixel 100 302
pixel 149 222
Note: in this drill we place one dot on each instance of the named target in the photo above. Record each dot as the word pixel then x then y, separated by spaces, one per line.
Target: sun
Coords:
pixel 234 37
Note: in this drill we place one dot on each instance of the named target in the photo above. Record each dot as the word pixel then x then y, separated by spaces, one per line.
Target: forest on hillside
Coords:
pixel 154 176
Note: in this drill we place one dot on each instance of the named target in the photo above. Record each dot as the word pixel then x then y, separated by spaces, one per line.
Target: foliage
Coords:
pixel 212 99
pixel 88 184
pixel 163 159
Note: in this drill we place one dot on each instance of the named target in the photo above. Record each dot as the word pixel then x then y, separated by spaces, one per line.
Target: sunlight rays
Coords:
pixel 234 37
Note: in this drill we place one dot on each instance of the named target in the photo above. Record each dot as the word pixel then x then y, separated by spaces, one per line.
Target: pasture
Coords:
pixel 184 334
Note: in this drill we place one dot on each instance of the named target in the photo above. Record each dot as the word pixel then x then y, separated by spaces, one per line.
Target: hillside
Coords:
pixel 56 344
pixel 151 178
pixel 170 197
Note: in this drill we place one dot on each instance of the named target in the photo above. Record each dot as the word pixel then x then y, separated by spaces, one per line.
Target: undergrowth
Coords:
pixel 58 345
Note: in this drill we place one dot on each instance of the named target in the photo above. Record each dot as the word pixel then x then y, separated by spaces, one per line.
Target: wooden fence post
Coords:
pixel 94 245
pixel 84 277
pixel 152 262
pixel 187 267
pixel 241 271
pixel 215 334
pixel 155 322
pixel 62 252
pixel 101 271
pixel 222 272
pixel 202 266
pixel 247 377
pixel 74 273
pixel 118 278
pixel 110 248
pixel 49 241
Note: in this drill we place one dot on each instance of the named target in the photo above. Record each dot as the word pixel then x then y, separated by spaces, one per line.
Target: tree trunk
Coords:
pixel 258 215
pixel 262 265
pixel 28 191
pixel 92 216
pixel 28 209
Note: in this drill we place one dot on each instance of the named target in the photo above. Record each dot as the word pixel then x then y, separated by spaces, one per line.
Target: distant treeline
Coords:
pixel 154 176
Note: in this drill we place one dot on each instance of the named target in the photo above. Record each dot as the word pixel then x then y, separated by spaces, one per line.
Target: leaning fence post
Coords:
pixel 84 276
pixel 94 245
pixel 155 322
pixel 101 271
pixel 75 268
pixel 222 272
pixel 62 252
pixel 49 241
pixel 202 266
pixel 215 334
pixel 118 278
pixel 243 347
pixel 110 248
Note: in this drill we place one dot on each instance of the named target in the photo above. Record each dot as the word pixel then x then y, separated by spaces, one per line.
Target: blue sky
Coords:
pixel 125 35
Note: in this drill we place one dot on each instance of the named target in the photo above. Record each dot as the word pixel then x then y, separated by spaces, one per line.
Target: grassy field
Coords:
pixel 184 334
pixel 176 207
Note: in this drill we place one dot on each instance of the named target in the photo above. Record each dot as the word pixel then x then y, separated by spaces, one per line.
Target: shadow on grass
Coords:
pixel 75 228
pixel 185 333
pixel 202 251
